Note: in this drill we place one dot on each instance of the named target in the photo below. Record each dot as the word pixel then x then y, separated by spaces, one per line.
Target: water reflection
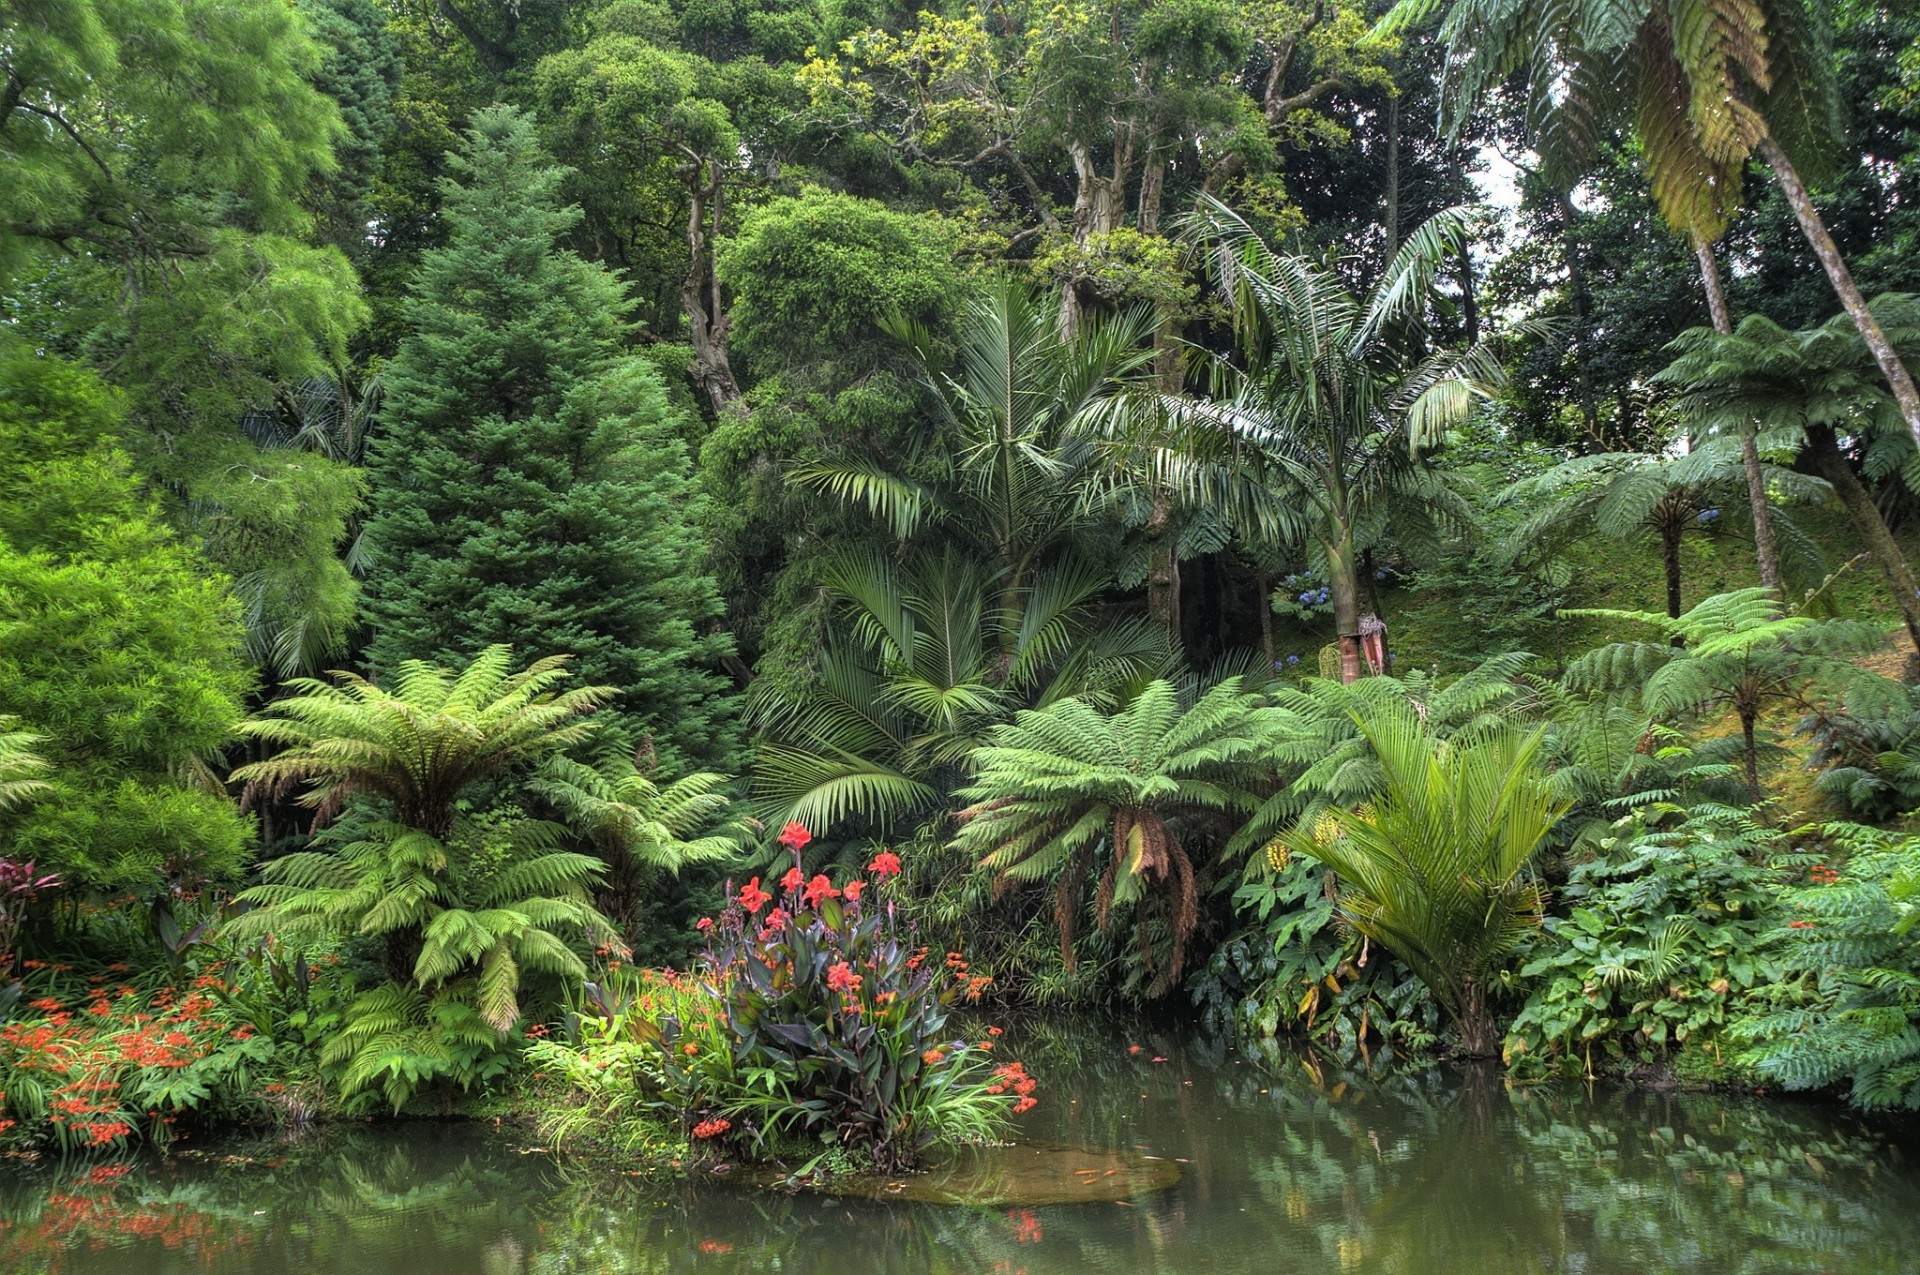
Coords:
pixel 1287 1166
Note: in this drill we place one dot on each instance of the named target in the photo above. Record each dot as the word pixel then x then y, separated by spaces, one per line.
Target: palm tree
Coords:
pixel 1059 783
pixel 1736 651
pixel 924 658
pixel 1619 494
pixel 1431 869
pixel 1707 85
pixel 1816 384
pixel 1328 402
pixel 1007 471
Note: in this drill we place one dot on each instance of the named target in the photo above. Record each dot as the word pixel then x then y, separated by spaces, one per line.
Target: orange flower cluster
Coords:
pixel 1014 1076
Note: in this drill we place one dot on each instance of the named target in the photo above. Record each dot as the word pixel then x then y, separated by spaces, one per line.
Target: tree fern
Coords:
pixel 20 766
pixel 1057 786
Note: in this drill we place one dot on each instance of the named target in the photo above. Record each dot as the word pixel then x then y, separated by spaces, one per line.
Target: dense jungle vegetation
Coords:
pixel 651 561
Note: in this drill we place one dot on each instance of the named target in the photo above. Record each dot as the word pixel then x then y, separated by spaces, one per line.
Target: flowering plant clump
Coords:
pixel 1304 597
pixel 91 1070
pixel 812 1020
pixel 20 886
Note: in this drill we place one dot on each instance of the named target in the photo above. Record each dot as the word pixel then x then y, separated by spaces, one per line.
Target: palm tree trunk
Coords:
pixel 1344 584
pixel 1163 570
pixel 1904 391
pixel 1868 524
pixel 1475 1033
pixel 1765 548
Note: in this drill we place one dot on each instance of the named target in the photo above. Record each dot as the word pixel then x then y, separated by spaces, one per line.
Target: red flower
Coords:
pixel 885 864
pixel 841 978
pixel 776 918
pixel 853 890
pixel 712 1128
pixel 817 889
pixel 704 924
pixel 1025 1105
pixel 932 1056
pixel 752 897
pixel 792 880
pixel 795 837
pixel 995 1031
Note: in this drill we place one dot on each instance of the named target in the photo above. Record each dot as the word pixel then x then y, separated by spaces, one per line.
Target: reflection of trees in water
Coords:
pixel 1292 1166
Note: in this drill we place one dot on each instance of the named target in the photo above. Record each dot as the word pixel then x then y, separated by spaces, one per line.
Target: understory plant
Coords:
pixel 1434 867
pixel 819 1028
pixel 1846 1010
pixel 1666 930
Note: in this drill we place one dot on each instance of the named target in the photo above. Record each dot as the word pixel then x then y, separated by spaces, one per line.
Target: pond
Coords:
pixel 1258 1164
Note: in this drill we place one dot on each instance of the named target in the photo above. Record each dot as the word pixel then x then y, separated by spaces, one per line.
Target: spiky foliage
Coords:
pixel 418 746
pixel 1849 1011
pixel 1703 82
pixel 1008 468
pixel 1059 784
pixel 1620 494
pixel 1326 760
pixel 20 765
pixel 530 481
pixel 1736 651
pixel 924 658
pixel 1326 403
pixel 1433 869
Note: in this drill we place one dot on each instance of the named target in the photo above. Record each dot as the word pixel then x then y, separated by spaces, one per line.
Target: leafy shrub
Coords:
pixel 819 1023
pixel 1665 932
pixel 1846 1010
pixel 1295 970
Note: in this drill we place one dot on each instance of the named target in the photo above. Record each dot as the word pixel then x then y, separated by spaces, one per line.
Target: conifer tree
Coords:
pixel 530 485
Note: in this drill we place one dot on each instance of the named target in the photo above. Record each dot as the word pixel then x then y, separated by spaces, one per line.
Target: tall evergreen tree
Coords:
pixel 530 485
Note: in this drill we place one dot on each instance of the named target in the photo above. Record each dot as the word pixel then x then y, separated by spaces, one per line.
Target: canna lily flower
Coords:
pixel 795 837
pixel 817 889
pixel 885 864
pixel 752 897
pixel 793 879
pixel 853 890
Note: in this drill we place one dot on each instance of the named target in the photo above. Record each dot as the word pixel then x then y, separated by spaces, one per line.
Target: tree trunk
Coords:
pixel 1475 1033
pixel 1343 583
pixel 1391 220
pixel 1905 393
pixel 1263 582
pixel 1751 757
pixel 1469 299
pixel 1764 546
pixel 1824 450
pixel 1163 570
pixel 1582 319
pixel 1670 559
pixel 709 327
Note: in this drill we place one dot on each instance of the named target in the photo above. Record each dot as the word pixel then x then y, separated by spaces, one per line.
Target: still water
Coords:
pixel 1284 1165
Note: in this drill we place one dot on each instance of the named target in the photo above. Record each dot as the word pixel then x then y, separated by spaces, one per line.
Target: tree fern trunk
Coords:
pixel 1751 757
pixel 1764 546
pixel 1824 450
pixel 1905 393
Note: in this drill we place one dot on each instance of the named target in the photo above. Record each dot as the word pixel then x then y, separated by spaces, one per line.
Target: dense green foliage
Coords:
pixel 1098 460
